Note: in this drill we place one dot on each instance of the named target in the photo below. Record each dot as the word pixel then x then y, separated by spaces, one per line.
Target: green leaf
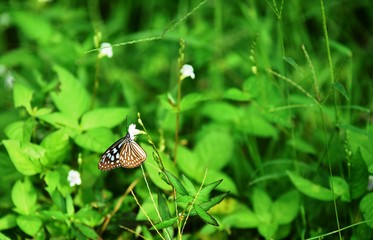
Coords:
pixel 57 146
pixel 24 197
pixel 69 205
pixel 89 216
pixel 341 89
pixel 86 231
pixel 163 207
pixel 262 205
pixel 285 209
pixel 20 157
pixel 165 223
pixel 29 224
pixel 209 187
pixel 214 149
pixel 309 188
pixel 7 221
pixel 366 207
pixel 341 188
pixel 179 187
pixel 191 101
pixel 359 175
pixel 96 140
pixel 243 219
pixel 55 215
pixel 301 145
pixel 188 185
pixel 59 119
pixel 22 96
pixel 210 203
pixel 214 110
pixel 104 117
pixel 28 22
pixel 73 99
pixel 256 123
pixel 205 216
pixel 237 95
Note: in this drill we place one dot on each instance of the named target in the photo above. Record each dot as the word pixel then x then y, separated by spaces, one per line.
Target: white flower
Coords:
pixel 133 131
pixel 187 71
pixel 74 178
pixel 105 50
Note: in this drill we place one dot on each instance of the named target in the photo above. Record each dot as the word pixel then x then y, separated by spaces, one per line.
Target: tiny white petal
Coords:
pixel 74 178
pixel 187 71
pixel 133 131
pixel 106 50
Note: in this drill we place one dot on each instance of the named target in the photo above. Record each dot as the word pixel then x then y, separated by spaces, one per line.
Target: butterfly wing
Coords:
pixel 111 158
pixel 131 155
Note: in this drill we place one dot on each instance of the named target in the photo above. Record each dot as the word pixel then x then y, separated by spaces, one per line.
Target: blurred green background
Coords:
pixel 279 109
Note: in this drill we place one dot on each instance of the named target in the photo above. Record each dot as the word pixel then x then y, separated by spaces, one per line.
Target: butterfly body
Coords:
pixel 124 153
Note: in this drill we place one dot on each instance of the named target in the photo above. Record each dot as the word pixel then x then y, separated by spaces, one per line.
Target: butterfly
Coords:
pixel 123 153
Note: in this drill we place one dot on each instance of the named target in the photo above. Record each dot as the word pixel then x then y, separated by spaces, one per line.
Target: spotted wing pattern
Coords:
pixel 123 153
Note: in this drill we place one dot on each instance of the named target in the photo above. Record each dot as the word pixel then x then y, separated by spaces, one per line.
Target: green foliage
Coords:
pixel 271 139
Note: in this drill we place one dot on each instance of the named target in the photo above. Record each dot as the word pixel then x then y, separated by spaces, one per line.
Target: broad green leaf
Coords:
pixel 21 159
pixel 237 95
pixel 89 216
pixel 104 117
pixel 179 187
pixel 205 216
pixel 58 119
pixel 262 205
pixel 88 232
pixel 214 110
pixel 285 209
pixel 358 175
pixel 165 223
pixel 73 99
pixel 96 140
pixel 243 218
pixel 57 146
pixel 268 230
pixel 24 197
pixel 29 224
pixel 341 188
pixel 28 22
pixel 191 100
pixel 22 96
pixel 7 221
pixel 253 122
pixel 21 130
pixel 309 188
pixel 214 150
pixel 55 215
pixel 366 207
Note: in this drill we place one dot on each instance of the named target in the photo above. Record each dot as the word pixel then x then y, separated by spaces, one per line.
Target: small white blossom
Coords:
pixel 187 71
pixel 74 178
pixel 105 50
pixel 133 131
